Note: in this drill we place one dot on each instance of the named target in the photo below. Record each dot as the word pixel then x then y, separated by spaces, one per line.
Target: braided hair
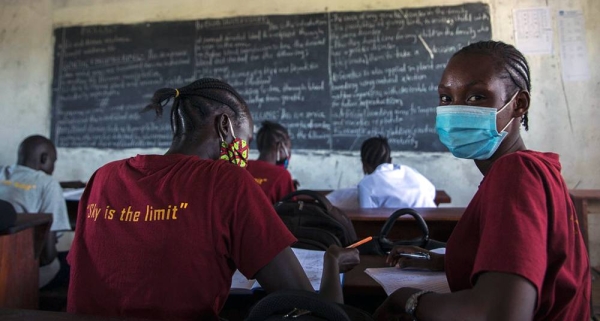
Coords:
pixel 194 103
pixel 269 135
pixel 375 151
pixel 510 61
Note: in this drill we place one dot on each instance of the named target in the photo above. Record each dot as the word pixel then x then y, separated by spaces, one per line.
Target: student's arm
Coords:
pixel 337 260
pixel 49 250
pixel 495 296
pixel 285 272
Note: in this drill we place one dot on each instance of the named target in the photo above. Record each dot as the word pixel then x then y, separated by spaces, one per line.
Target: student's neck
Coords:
pixel 485 165
pixel 186 148
pixel 270 158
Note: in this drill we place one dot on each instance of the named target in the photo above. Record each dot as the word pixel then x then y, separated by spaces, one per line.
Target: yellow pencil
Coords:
pixel 361 242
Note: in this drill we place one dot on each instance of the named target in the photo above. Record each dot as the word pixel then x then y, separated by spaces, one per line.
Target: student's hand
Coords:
pixel 435 263
pixel 346 259
pixel 393 307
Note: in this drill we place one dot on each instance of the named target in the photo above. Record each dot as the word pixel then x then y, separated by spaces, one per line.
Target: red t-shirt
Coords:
pixel 522 221
pixel 161 236
pixel 275 181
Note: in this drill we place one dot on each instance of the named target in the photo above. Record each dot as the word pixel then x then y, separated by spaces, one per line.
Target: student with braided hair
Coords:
pixel 517 251
pixel 270 169
pixel 160 236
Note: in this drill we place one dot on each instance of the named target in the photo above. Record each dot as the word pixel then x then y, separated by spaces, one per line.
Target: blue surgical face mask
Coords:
pixel 470 132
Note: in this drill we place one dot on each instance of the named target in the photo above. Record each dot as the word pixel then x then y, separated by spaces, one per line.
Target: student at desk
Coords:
pixel 516 253
pixel 385 184
pixel 160 236
pixel 270 169
pixel 30 188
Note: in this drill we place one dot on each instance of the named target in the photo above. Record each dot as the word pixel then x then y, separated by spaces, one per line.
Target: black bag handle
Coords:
pixel 389 224
pixel 320 199
pixel 285 301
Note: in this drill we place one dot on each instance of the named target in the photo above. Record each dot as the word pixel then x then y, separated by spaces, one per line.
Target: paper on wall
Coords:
pixel 533 30
pixel 573 49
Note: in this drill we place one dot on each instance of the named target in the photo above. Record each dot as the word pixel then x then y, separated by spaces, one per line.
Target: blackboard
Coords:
pixel 334 79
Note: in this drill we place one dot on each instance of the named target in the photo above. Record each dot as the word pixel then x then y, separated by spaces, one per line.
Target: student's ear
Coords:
pixel 521 104
pixel 223 127
pixel 43 158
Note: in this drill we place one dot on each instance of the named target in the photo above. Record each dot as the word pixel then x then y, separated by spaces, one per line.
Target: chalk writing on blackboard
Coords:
pixel 333 79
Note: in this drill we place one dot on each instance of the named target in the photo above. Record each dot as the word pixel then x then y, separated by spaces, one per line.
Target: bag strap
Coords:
pixel 284 301
pixel 389 224
pixel 320 199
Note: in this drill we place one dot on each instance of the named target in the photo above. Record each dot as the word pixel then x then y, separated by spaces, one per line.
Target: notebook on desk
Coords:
pixel 392 278
pixel 311 261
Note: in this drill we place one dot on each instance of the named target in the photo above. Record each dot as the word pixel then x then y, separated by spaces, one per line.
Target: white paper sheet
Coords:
pixel 573 48
pixel 311 261
pixel 391 279
pixel 533 30
pixel 73 194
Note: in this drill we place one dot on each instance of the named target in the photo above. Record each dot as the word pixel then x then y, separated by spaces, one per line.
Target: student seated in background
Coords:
pixel 29 187
pixel 270 169
pixel 160 236
pixel 516 253
pixel 385 184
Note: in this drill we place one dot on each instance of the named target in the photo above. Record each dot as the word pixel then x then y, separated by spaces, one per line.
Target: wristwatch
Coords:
pixel 413 302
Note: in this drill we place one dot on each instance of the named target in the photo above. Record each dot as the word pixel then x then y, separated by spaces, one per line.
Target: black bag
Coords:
pixel 303 306
pixel 314 221
pixel 381 244
pixel 8 215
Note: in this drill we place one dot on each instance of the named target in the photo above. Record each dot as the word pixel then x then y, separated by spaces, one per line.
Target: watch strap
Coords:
pixel 413 302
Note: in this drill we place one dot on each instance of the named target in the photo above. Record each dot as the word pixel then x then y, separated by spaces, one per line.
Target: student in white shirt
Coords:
pixel 385 184
pixel 29 187
pixel 390 185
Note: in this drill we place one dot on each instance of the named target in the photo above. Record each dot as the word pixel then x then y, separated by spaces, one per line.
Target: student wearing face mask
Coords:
pixel 270 169
pixel 160 236
pixel 516 253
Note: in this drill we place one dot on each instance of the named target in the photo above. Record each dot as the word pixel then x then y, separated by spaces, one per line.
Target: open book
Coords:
pixel 392 278
pixel 311 261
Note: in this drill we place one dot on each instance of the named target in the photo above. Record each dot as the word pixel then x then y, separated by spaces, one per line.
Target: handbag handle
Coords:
pixel 389 224
pixel 320 199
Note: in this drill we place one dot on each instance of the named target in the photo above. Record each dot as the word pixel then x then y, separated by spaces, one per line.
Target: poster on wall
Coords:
pixel 533 30
pixel 573 49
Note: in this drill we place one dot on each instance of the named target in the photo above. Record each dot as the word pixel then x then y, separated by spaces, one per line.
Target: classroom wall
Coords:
pixel 563 116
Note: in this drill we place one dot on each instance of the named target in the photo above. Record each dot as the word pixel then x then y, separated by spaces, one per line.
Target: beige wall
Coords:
pixel 26 53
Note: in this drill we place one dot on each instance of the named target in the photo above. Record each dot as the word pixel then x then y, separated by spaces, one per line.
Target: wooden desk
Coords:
pixel 440 196
pixel 440 220
pixel 20 248
pixel 361 290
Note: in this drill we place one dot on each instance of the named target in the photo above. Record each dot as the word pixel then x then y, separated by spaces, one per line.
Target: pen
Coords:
pixel 418 255
pixel 361 242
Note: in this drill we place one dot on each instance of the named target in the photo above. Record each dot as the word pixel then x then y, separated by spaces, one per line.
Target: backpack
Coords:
pixel 314 221
pixel 303 306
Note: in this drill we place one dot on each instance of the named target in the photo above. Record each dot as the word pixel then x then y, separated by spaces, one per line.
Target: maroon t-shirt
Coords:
pixel 161 236
pixel 275 181
pixel 522 221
